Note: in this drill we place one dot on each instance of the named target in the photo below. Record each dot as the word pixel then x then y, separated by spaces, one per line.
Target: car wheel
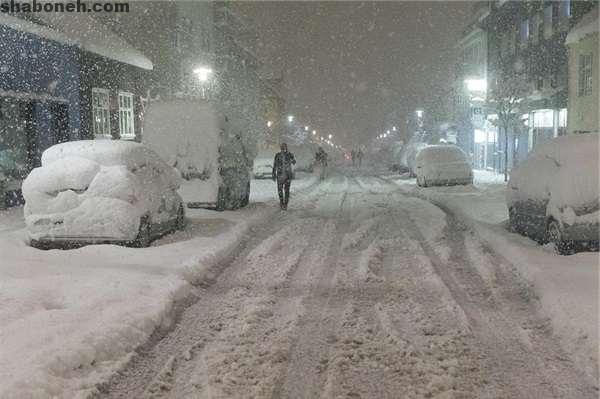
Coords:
pixel 144 237
pixel 180 221
pixel 555 237
pixel 222 198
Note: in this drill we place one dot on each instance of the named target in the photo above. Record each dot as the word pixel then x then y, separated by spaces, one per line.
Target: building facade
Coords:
pixel 526 39
pixel 61 80
pixel 474 133
pixel 583 46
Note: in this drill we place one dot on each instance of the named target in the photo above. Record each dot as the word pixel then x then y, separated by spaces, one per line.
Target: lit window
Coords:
pixel 524 33
pixel 101 113
pixel 126 127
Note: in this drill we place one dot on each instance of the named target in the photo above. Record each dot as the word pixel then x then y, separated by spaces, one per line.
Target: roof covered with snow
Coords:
pixel 587 25
pixel 83 31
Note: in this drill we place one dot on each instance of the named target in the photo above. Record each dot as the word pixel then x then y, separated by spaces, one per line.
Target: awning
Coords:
pixel 81 30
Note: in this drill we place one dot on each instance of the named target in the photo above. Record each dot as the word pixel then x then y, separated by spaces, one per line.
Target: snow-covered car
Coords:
pixel 442 165
pixel 212 149
pixel 101 191
pixel 553 195
pixel 263 171
pixel 262 167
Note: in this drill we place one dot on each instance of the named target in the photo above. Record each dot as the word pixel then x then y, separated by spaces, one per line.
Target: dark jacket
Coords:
pixel 282 165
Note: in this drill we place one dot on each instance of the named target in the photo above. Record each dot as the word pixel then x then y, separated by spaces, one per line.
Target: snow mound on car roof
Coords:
pixel 564 168
pixel 76 174
pixel 441 154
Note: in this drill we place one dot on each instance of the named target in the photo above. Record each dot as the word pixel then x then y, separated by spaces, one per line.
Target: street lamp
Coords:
pixel 314 132
pixel 476 85
pixel 394 128
pixel 203 73
pixel 330 136
pixel 269 123
pixel 290 118
pixel 419 113
pixel 306 128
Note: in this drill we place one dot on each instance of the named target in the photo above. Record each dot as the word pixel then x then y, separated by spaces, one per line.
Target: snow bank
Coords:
pixel 71 318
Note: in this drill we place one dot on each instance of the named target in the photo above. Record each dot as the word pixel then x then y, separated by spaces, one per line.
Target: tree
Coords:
pixel 506 96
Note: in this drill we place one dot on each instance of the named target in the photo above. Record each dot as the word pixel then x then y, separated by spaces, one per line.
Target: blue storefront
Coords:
pixel 39 99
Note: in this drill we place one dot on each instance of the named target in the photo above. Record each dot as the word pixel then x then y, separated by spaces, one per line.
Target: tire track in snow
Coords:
pixel 515 368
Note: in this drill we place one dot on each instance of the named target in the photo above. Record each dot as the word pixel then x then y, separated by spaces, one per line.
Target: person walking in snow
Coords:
pixel 359 155
pixel 282 173
pixel 321 161
pixel 353 157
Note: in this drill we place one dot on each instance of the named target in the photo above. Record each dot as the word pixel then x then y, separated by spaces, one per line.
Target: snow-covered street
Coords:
pixel 360 290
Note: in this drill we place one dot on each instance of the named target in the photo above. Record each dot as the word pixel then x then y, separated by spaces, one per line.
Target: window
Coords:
pixel 534 28
pixel 126 127
pixel 524 32
pixel 565 9
pixel 585 75
pixel 101 112
pixel 548 22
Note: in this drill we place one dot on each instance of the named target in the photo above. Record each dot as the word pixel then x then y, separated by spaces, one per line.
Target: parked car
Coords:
pixel 553 195
pixel 442 165
pixel 212 150
pixel 262 167
pixel 101 191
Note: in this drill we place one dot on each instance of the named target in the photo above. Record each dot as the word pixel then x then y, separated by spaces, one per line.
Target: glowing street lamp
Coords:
pixel 476 85
pixel 314 132
pixel 203 73
pixel 290 118
pixel 269 123
pixel 306 128
pixel 330 136
pixel 394 128
pixel 419 113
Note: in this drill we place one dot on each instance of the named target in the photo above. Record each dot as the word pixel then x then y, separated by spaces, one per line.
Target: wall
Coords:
pixel 583 111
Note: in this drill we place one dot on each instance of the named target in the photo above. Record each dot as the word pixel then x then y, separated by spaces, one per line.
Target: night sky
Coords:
pixel 353 69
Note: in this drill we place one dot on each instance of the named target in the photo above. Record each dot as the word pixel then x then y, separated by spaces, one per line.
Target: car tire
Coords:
pixel 555 237
pixel 222 198
pixel 144 237
pixel 180 220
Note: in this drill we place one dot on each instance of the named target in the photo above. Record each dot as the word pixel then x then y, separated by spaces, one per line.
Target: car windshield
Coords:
pixel 299 199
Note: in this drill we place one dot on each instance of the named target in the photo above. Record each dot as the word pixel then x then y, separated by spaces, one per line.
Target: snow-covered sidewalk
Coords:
pixel 71 318
pixel 567 285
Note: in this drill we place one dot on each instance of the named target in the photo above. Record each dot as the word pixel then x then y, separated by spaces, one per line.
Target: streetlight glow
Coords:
pixel 394 128
pixel 306 128
pixel 419 113
pixel 330 136
pixel 202 73
pixel 476 85
pixel 314 132
pixel 269 123
pixel 290 118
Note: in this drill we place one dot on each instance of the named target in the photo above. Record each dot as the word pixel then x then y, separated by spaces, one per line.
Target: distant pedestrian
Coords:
pixel 353 157
pixel 282 174
pixel 359 156
pixel 321 161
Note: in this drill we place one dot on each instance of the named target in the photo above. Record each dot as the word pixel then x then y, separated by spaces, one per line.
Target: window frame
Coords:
pixel 104 110
pixel 126 115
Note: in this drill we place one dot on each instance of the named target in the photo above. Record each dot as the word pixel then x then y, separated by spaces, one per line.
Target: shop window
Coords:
pixel 126 116
pixel 101 113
